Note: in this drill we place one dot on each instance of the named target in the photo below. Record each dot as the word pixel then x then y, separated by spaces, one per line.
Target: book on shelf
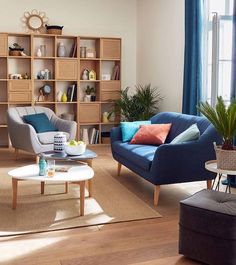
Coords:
pixel 84 135
pixel 92 135
pixel 73 49
pixel 72 93
pixel 97 137
pixel 89 136
pixel 115 73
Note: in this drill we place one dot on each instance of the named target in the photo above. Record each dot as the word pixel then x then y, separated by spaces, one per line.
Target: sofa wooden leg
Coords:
pixel 16 153
pixel 209 184
pixel 156 194
pixel 119 168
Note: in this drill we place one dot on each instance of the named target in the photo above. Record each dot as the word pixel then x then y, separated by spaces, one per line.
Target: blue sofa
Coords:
pixel 169 163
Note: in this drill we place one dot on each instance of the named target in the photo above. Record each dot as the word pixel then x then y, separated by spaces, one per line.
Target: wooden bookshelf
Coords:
pixel 64 72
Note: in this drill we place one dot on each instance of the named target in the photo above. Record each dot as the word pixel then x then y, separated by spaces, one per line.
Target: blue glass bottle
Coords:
pixel 42 166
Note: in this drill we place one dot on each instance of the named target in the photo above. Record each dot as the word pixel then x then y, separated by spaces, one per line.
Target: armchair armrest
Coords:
pixel 66 126
pixel 116 134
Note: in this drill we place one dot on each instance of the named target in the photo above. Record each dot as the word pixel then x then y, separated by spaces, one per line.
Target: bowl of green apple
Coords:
pixel 75 148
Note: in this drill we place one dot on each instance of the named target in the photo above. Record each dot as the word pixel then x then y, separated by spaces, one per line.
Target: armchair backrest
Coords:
pixel 16 113
pixel 181 122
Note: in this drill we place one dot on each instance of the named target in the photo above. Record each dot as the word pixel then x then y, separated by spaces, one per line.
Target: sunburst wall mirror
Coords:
pixel 34 21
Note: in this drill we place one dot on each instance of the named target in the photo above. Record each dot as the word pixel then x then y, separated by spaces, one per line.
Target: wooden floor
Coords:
pixel 146 242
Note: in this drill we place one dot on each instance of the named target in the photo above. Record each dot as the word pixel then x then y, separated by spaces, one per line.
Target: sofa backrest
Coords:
pixel 180 122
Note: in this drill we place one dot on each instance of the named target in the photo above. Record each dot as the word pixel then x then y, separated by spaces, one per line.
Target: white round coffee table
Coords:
pixel 77 174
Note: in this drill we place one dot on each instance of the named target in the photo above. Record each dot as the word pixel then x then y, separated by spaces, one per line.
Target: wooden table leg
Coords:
pixel 42 187
pixel 14 192
pixel 66 187
pixel 82 190
pixel 90 187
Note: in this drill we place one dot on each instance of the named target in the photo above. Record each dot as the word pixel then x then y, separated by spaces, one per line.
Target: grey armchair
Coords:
pixel 24 137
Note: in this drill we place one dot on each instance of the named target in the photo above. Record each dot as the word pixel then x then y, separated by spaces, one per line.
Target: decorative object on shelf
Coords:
pixel 82 52
pixel 61 50
pixel 59 96
pixel 139 106
pixel 105 117
pixel 44 74
pixel 75 148
pixel 15 76
pixel 115 73
pixel 54 29
pixel 90 94
pixel 25 76
pixel 224 120
pixel 43 50
pixel 39 53
pixel 85 74
pixel 92 75
pixel 34 21
pixel 64 97
pixel 87 98
pixel 71 93
pixel 106 77
pixel 68 116
pixel 44 92
pixel 90 53
pixel 15 50
pixel 59 142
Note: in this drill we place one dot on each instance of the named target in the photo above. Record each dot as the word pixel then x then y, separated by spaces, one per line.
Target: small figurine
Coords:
pixel 92 75
pixel 85 75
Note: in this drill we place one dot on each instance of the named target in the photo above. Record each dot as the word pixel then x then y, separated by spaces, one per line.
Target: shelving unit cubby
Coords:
pixel 64 72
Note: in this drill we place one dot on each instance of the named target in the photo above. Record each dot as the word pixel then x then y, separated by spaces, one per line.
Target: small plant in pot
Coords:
pixel 224 120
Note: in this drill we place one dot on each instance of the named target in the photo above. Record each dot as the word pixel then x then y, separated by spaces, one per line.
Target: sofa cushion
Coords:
pixel 40 122
pixel 48 137
pixel 141 155
pixel 128 129
pixel 192 133
pixel 152 134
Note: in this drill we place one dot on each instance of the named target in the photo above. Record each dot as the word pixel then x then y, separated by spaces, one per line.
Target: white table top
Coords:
pixel 212 166
pixel 77 172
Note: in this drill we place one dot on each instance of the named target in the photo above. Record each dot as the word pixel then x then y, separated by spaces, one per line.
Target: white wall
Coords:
pixel 110 18
pixel 160 48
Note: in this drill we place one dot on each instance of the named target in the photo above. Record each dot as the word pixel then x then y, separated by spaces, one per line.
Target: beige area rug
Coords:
pixel 111 202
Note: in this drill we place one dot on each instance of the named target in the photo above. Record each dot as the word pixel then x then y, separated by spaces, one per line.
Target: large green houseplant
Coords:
pixel 141 105
pixel 223 119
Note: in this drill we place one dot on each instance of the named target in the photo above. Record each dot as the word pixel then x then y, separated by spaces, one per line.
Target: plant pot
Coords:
pixel 226 159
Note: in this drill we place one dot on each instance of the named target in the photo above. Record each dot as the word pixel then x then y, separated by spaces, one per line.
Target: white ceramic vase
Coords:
pixel 61 51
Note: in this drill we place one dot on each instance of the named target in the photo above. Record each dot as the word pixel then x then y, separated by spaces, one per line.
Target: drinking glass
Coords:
pixel 51 168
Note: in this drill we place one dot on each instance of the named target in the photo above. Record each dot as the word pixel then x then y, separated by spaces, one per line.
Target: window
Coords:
pixel 218 50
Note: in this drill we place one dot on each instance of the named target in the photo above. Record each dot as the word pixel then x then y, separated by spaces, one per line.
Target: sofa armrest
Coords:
pixel 186 160
pixel 116 134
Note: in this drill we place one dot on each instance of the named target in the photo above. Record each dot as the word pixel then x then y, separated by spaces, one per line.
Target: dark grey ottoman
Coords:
pixel 208 227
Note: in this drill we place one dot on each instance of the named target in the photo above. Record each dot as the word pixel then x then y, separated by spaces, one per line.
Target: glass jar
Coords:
pixel 82 52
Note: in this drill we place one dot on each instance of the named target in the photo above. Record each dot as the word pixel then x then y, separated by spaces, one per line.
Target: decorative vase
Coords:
pixel 85 75
pixel 64 97
pixel 39 53
pixel 59 142
pixel 59 96
pixel 61 52
pixel 105 117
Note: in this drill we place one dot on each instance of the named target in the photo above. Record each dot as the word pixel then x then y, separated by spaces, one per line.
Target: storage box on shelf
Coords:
pixel 58 62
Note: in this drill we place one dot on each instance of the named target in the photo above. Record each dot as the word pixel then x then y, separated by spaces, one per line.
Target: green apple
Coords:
pixel 72 143
pixel 80 142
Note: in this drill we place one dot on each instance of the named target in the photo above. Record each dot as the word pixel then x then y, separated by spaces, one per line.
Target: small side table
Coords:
pixel 212 166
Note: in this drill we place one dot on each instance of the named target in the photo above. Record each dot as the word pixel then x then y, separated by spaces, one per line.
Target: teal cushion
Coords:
pixel 40 122
pixel 128 129
pixel 192 133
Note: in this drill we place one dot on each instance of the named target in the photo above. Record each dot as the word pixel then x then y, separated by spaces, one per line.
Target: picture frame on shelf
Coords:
pixel 90 53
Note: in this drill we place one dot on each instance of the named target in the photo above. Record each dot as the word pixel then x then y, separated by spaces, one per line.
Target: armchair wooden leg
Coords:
pixel 209 184
pixel 156 194
pixel 119 169
pixel 37 159
pixel 42 187
pixel 16 153
pixel 66 187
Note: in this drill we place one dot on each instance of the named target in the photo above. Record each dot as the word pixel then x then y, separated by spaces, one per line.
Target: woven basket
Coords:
pixel 226 159
pixel 54 31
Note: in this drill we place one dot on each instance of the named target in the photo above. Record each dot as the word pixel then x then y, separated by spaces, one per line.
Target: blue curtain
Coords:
pixel 192 86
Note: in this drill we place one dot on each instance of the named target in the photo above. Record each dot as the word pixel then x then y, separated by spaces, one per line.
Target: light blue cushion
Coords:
pixel 192 133
pixel 40 122
pixel 128 129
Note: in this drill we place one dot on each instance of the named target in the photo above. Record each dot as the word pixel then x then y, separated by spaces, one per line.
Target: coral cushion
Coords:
pixel 153 134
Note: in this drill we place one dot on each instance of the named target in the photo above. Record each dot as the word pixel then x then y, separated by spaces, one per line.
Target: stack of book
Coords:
pixel 89 136
pixel 72 93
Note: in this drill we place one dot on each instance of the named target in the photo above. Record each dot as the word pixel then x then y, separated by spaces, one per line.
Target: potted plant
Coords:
pixel 223 118
pixel 87 97
pixel 141 105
